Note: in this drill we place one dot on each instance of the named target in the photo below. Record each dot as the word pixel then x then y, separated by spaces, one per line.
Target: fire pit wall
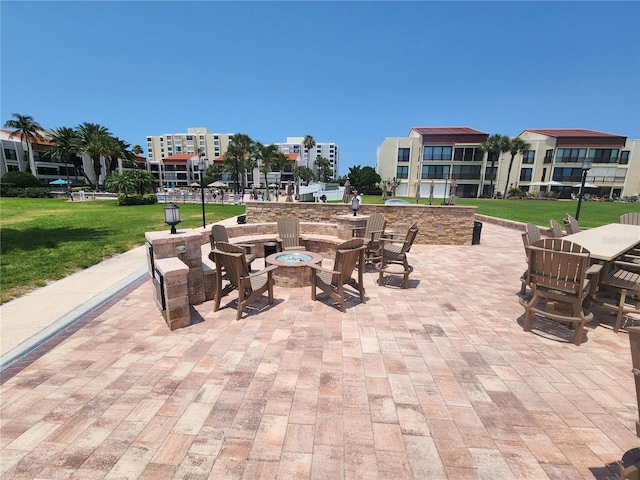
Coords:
pixel 438 225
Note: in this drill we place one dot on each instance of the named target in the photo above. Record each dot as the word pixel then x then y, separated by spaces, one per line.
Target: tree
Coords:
pixel 20 179
pixel 28 130
pixel 494 146
pixel 240 148
pixel 309 142
pixel 323 166
pixel 266 155
pixel 65 145
pixel 282 162
pixel 131 182
pixel 137 149
pixel 305 174
pixel 215 172
pixel 95 141
pixel 362 178
pixel 516 145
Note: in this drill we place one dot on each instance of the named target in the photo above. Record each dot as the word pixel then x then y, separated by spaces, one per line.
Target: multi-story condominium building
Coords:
pixel 330 151
pixel 78 170
pixel 173 157
pixel 435 156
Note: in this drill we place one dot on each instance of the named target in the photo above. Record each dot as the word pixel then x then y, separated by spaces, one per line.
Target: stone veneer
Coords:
pixel 438 224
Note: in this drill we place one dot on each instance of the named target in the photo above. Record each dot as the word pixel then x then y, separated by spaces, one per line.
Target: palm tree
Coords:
pixel 28 130
pixel 309 142
pixel 239 150
pixel 266 155
pixel 95 141
pixel 64 146
pixel 323 166
pixel 137 149
pixel 119 149
pixel 494 146
pixel 516 145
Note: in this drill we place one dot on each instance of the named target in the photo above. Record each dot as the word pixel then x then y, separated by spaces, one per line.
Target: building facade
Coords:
pixel 431 158
pixel 330 151
pixel 76 171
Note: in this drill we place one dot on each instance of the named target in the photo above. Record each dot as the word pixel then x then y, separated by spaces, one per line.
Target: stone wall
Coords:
pixel 438 224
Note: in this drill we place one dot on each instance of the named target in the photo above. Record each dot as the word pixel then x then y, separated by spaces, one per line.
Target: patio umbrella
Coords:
pixel 394 185
pixel 431 187
pixel 59 181
pixel 553 183
pixel 194 184
pixel 217 183
pixel 273 185
pixel 289 192
pixel 345 194
pixel 452 193
pixel 384 191
pixel 586 185
pixel 418 192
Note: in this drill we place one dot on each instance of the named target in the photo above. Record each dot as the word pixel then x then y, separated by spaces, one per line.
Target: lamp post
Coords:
pixel 586 166
pixel 201 167
pixel 172 216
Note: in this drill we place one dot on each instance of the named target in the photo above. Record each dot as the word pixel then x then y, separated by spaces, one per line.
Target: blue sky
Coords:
pixel 346 72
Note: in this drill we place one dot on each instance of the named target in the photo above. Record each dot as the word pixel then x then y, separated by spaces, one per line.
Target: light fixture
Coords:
pixel 172 216
pixel 355 205
pixel 201 168
pixel 586 166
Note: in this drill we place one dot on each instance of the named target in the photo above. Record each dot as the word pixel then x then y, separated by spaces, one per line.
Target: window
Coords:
pixel 567 174
pixel 490 173
pixel 10 154
pixel 624 157
pixel 467 172
pixel 548 156
pixel 525 174
pixel 528 157
pixel 432 154
pixel 404 154
pixel 604 155
pixel 435 172
pixel 402 172
pixel 467 154
pixel 571 155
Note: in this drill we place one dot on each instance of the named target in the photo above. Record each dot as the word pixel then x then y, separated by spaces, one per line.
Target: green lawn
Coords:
pixel 46 239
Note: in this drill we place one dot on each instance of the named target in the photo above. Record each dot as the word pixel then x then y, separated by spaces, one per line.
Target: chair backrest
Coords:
pixel 409 239
pixel 556 229
pixel 347 255
pixel 374 227
pixel 289 231
pixel 218 234
pixel 631 218
pixel 232 259
pixel 533 233
pixel 558 264
pixel 571 224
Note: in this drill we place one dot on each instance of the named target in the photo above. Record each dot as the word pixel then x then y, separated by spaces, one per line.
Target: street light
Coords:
pixel 586 166
pixel 201 167
pixel 172 216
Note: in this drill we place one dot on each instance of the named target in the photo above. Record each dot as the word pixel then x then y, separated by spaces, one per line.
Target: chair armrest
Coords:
pixel 594 269
pixel 322 269
pixel 627 265
pixel 268 269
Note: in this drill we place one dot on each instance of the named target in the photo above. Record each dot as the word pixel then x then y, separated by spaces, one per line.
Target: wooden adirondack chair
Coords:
pixel 631 218
pixel 373 230
pixel 557 275
pixel 624 279
pixel 349 254
pixel 530 236
pixel 219 234
pixel 571 224
pixel 289 234
pixel 232 260
pixel 392 253
pixel 556 229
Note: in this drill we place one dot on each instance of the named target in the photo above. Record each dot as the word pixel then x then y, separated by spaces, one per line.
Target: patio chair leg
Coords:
pixel 620 313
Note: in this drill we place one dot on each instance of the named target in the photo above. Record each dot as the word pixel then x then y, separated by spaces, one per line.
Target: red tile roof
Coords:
pixel 447 131
pixel 293 156
pixel 581 137
pixel 180 156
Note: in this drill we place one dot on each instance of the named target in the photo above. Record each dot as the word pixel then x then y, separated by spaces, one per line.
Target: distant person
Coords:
pixel 356 196
pixel 323 199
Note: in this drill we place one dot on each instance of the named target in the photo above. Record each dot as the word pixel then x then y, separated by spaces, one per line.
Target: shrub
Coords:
pixel 136 199
pixel 20 179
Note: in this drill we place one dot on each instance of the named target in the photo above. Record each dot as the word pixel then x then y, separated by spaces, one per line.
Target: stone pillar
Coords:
pixel 348 223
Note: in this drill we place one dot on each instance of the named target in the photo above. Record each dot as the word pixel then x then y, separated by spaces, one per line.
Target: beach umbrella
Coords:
pixel 289 192
pixel 347 191
pixel 394 185
pixel 59 181
pixel 431 187
pixel 419 187
pixel 217 184
pixel 452 193
pixel 586 185
pixel 384 191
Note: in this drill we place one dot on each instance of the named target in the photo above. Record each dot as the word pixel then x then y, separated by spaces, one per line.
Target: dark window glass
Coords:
pixel 402 172
pixel 528 157
pixel 437 153
pixel 404 154
pixel 624 157
pixel 525 174
pixel 10 154
pixel 435 172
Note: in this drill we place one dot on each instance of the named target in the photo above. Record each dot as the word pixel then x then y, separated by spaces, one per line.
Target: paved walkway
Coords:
pixel 434 382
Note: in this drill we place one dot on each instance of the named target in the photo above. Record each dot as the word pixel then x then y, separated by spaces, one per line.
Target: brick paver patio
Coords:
pixel 434 382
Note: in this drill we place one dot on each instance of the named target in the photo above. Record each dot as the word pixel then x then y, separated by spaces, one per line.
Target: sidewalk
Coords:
pixel 28 321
